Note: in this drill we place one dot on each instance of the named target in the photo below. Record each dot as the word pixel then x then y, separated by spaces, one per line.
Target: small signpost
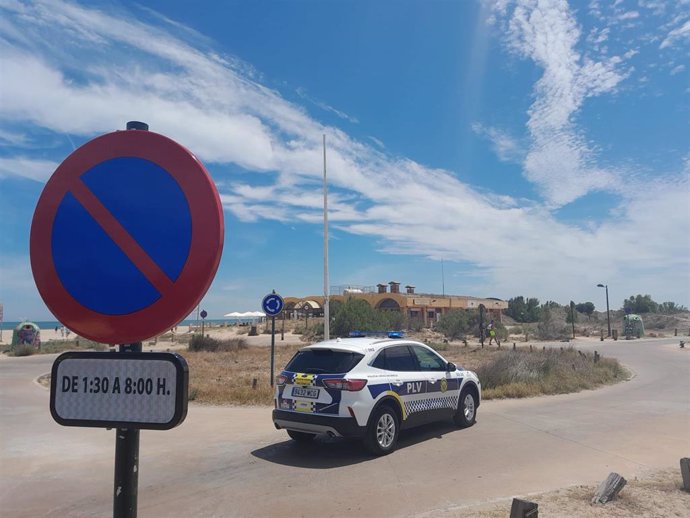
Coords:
pixel 273 305
pixel 125 241
pixel 203 315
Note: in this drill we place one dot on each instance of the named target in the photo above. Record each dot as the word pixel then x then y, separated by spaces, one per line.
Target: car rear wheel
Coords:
pixel 382 433
pixel 466 414
pixel 300 436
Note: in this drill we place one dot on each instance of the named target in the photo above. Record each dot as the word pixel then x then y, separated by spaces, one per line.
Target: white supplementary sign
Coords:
pixel 127 390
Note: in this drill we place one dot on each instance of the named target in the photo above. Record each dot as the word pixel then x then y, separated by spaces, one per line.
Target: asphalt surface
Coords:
pixel 227 461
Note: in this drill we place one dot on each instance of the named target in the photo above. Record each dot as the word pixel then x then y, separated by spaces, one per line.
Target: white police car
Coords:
pixel 371 388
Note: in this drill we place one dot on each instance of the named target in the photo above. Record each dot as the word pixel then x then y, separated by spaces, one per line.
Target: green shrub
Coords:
pixel 356 314
pixel 205 343
pixel 23 350
pixel 455 324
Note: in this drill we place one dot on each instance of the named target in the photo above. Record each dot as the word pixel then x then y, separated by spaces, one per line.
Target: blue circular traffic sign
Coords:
pixel 126 237
pixel 272 304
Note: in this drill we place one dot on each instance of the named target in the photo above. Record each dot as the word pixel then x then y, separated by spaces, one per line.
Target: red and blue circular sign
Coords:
pixel 126 237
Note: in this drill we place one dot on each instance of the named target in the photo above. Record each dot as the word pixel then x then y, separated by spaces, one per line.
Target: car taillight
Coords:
pixel 345 384
pixel 281 380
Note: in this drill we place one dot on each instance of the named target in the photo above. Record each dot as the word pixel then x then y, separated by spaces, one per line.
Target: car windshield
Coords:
pixel 316 361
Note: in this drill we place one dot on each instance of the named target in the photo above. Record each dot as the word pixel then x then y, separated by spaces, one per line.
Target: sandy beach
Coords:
pixel 179 337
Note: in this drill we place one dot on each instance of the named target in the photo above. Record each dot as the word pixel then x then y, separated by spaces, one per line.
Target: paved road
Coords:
pixel 225 461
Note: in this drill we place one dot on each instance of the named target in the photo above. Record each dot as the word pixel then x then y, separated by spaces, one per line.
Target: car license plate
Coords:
pixel 308 392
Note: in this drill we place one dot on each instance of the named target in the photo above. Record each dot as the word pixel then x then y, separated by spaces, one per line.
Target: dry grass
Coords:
pixel 227 377
pixel 656 496
pixel 205 343
pixel 57 346
pixel 24 350
pixel 516 374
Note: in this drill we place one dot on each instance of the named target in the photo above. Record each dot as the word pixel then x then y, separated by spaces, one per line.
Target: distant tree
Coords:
pixel 670 308
pixel 586 308
pixel 640 304
pixel 571 313
pixel 522 310
pixel 356 314
pixel 454 324
pixel 548 327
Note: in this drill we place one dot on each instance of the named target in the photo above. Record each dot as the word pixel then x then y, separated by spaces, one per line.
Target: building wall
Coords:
pixel 424 306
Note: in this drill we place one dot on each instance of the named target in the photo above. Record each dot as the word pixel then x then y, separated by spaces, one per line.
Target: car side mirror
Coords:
pixel 450 367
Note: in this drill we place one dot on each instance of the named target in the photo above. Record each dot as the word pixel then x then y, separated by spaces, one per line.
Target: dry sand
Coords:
pixel 182 334
pixel 657 495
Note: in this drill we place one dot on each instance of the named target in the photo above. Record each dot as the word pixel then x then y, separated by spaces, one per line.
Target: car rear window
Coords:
pixel 317 361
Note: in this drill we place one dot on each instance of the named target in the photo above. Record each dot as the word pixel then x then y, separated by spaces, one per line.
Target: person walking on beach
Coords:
pixel 492 333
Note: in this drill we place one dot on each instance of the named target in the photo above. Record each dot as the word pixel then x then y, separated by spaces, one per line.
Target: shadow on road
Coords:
pixel 334 452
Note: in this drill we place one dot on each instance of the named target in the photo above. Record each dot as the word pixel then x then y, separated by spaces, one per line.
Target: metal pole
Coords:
pixel 126 462
pixel 443 280
pixel 126 487
pixel 326 301
pixel 481 324
pixel 273 345
pixel 572 316
pixel 282 331
pixel 608 314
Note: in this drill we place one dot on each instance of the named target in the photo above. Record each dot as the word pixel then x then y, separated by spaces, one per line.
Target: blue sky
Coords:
pixel 536 147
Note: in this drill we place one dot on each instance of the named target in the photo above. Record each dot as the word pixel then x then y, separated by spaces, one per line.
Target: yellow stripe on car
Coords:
pixel 400 402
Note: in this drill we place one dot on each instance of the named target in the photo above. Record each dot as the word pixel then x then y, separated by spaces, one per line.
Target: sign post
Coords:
pixel 481 324
pixel 126 492
pixel 203 318
pixel 118 269
pixel 272 305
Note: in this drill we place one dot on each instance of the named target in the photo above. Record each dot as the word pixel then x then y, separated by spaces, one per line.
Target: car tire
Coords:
pixel 466 414
pixel 300 436
pixel 382 432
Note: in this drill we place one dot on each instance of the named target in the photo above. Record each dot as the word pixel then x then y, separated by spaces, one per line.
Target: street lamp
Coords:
pixel 608 314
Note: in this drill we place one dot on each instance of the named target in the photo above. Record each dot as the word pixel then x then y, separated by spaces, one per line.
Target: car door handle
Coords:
pixel 397 383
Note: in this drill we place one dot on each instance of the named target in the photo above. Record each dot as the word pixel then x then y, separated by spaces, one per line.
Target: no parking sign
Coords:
pixel 125 241
pixel 126 237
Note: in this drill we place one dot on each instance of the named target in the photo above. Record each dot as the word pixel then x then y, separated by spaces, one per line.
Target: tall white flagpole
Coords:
pixel 326 302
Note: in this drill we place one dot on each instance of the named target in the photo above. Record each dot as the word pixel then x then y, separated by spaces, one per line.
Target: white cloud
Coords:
pixel 560 161
pixel 326 107
pixel 25 167
pixel 629 15
pixel 677 35
pixel 677 69
pixel 505 146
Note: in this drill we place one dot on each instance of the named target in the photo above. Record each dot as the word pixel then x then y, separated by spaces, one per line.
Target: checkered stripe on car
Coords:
pixel 421 405
pixel 303 380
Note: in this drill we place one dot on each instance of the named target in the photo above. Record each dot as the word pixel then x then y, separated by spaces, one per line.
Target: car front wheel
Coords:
pixel 466 414
pixel 382 433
